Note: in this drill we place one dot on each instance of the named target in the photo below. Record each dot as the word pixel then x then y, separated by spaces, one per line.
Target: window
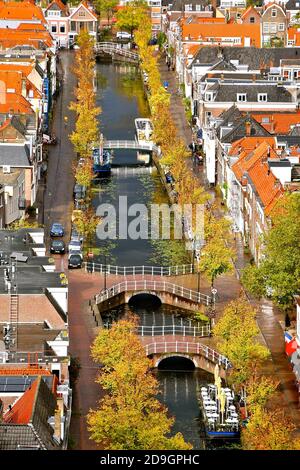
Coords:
pixel 262 97
pixel 81 13
pixel 62 28
pixel 265 120
pixel 281 27
pixel 155 15
pixel 53 28
pixel 252 19
pixel 266 27
pixel 274 12
pixel 209 96
pixel 30 94
pixel 273 27
pixel 188 7
pixel 241 97
pixel 198 7
pixel 53 13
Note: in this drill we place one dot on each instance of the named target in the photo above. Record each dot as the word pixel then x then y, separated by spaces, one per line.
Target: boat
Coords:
pixel 144 130
pixel 101 162
pixel 220 412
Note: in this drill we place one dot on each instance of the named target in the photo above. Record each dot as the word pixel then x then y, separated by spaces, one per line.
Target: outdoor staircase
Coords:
pixel 13 320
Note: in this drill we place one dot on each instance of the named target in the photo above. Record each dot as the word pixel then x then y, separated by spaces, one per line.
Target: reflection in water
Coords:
pixel 120 96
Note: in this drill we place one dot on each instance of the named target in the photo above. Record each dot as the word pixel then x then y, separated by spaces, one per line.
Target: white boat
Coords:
pixel 144 130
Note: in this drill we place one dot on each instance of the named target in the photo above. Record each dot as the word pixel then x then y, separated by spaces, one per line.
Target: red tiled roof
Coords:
pixel 59 3
pixel 21 412
pixel 18 37
pixel 266 185
pixel 218 31
pixel 251 149
pixel 279 123
pixel 21 11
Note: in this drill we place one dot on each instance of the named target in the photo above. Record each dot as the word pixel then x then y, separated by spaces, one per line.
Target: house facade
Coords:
pixel 274 25
pixel 57 16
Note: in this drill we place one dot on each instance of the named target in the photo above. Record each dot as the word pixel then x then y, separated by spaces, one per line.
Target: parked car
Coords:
pixel 79 192
pixel 57 230
pixel 57 246
pixel 75 235
pixel 75 260
pixel 74 245
pixel 123 35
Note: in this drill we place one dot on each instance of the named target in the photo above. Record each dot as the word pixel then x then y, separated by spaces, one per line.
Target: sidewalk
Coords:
pixel 229 286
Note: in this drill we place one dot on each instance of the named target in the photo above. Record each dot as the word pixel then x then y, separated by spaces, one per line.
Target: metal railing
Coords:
pixel 189 348
pixel 173 330
pixel 115 48
pixel 156 286
pixel 139 270
pixel 129 144
pixel 36 357
pixel 170 330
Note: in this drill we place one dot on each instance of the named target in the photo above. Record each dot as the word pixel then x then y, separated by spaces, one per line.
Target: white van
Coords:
pixel 123 35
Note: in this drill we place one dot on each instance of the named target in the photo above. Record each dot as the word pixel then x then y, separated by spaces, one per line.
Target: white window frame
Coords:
pixel 241 97
pixel 54 26
pixel 262 97
pixel 273 27
pixel 281 27
pixel 266 28
pixel 274 10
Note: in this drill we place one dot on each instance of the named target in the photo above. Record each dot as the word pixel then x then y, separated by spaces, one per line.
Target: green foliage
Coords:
pixel 129 417
pixel 161 39
pixel 130 17
pixel 236 333
pixel 106 7
pixel 278 274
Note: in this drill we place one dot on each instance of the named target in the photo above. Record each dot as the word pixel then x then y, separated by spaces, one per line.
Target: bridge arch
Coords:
pixel 191 362
pixel 145 299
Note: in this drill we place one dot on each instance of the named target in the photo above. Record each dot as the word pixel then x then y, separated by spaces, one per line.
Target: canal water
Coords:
pixel 120 95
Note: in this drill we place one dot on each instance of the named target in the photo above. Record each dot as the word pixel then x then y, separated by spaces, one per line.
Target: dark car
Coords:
pixel 79 192
pixel 57 230
pixel 57 246
pixel 75 261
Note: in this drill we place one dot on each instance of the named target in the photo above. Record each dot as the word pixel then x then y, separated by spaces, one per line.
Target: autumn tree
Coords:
pixel 278 272
pixel 269 430
pixel 86 222
pixel 131 16
pixel 236 335
pixel 106 7
pixel 129 417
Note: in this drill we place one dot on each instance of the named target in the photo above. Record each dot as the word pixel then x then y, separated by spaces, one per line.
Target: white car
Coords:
pixel 123 35
pixel 74 245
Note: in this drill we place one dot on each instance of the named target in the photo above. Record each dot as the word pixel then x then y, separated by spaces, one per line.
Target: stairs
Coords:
pixel 13 320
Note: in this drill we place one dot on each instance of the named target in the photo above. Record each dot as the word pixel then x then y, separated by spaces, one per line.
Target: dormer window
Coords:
pixel 262 97
pixel 209 96
pixel 241 97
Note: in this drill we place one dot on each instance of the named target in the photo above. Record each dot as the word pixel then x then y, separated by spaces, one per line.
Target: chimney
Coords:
pixel 248 128
pixel 222 77
pixel 57 424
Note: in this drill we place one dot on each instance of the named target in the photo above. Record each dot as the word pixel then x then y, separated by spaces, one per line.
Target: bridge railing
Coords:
pixel 138 270
pixel 110 47
pixel 130 144
pixel 171 330
pixel 155 286
pixel 189 348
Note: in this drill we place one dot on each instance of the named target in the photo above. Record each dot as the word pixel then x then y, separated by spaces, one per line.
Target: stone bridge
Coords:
pixel 202 356
pixel 166 292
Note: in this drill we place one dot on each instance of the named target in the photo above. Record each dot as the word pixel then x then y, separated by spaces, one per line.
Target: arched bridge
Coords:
pixel 130 145
pixel 116 51
pixel 200 354
pixel 168 293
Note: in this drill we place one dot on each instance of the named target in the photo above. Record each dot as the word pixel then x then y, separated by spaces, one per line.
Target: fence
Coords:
pixel 190 348
pixel 139 270
pixel 156 286
pixel 196 331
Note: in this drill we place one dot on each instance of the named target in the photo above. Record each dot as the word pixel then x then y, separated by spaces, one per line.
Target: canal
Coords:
pixel 121 98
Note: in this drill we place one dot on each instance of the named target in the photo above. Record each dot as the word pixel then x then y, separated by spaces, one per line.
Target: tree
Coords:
pixel 278 273
pixel 84 173
pixel 236 332
pixel 216 255
pixel 106 7
pixel 259 391
pixel 86 222
pixel 269 430
pixel 129 416
pixel 131 16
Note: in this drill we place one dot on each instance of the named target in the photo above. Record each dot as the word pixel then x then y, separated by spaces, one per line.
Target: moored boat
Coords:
pixel 102 162
pixel 144 130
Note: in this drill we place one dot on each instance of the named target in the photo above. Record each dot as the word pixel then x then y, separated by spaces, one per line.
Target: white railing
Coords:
pixel 173 330
pixel 129 144
pixel 189 348
pixel 139 270
pixel 114 48
pixel 155 286
pixel 132 170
